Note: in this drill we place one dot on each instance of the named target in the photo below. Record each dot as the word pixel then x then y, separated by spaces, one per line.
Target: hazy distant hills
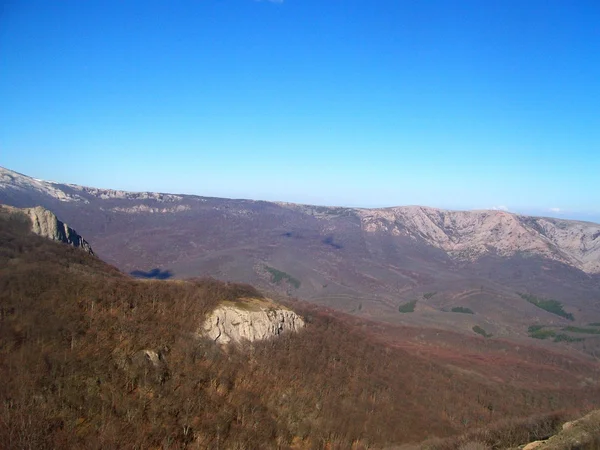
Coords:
pixel 370 262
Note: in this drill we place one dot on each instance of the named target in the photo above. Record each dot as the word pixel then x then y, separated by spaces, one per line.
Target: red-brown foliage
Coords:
pixel 72 330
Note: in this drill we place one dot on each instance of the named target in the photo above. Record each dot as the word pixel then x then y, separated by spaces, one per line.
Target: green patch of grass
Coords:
pixel 277 276
pixel 542 334
pixel 460 309
pixel 407 307
pixel 534 328
pixel 594 324
pixel 547 304
pixel 538 332
pixel 477 329
pixel 581 330
pixel 428 295
pixel 566 338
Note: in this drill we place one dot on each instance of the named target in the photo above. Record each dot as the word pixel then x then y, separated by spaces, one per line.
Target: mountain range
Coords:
pixel 494 271
pixel 407 327
pixel 94 358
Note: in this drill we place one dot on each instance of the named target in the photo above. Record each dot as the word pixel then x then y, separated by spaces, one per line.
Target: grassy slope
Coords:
pixel 72 329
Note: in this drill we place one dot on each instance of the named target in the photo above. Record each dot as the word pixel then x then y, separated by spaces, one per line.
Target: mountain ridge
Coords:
pixel 571 242
pixel 365 262
pixel 13 179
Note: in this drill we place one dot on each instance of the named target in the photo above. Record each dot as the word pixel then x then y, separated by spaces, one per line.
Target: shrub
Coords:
pixel 474 445
pixel 542 334
pixel 547 304
pixel 566 338
pixel 581 330
pixel 277 276
pixel 462 310
pixel 534 328
pixel 477 329
pixel 407 307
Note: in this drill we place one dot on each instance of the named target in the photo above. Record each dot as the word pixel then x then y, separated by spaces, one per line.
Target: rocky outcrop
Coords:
pixel 111 194
pixel 46 224
pixel 250 321
pixel 149 362
pixel 14 181
pixel 17 182
pixel 581 434
pixel 142 209
pixel 469 235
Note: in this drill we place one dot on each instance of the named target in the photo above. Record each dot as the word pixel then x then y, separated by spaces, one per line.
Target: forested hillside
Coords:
pixel 91 358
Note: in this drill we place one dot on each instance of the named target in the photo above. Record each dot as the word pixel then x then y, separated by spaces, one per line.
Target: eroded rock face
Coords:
pixel 46 224
pixel 468 235
pixel 251 322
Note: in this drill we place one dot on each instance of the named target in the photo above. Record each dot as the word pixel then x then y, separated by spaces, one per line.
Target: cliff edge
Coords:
pixel 44 223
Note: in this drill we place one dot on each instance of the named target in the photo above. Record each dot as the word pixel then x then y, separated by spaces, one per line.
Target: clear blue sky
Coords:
pixel 455 104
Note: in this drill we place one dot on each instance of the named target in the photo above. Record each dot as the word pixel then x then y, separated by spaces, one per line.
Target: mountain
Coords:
pixel 93 358
pixel 462 235
pixel 455 270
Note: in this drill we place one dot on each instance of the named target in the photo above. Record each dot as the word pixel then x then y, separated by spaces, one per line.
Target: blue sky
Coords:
pixel 453 104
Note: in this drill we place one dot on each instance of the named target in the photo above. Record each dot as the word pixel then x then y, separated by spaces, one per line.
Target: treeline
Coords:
pixel 91 358
pixel 547 304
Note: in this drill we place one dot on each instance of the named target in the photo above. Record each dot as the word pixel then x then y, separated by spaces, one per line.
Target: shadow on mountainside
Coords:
pixel 154 274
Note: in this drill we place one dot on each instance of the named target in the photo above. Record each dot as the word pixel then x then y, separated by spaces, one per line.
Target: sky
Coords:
pixel 451 104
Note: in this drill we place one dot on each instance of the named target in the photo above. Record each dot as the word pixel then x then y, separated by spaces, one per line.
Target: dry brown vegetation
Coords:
pixel 73 332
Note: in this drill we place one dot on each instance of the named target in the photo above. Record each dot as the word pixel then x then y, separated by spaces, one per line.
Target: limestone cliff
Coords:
pixel 468 235
pixel 46 224
pixel 252 320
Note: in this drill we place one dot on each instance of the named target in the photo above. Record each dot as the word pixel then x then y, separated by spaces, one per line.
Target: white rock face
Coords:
pixel 468 235
pixel 46 224
pixel 106 194
pixel 140 209
pixel 11 180
pixel 19 182
pixel 233 323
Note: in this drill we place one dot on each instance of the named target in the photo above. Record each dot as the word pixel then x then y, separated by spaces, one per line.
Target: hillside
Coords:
pixel 75 331
pixel 366 262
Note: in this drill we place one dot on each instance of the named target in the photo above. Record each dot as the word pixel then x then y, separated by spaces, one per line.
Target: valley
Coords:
pixel 94 358
pixel 299 225
pixel 365 262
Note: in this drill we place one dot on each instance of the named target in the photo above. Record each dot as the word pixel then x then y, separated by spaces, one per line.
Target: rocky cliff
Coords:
pixel 46 224
pixel 251 320
pixel 468 235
